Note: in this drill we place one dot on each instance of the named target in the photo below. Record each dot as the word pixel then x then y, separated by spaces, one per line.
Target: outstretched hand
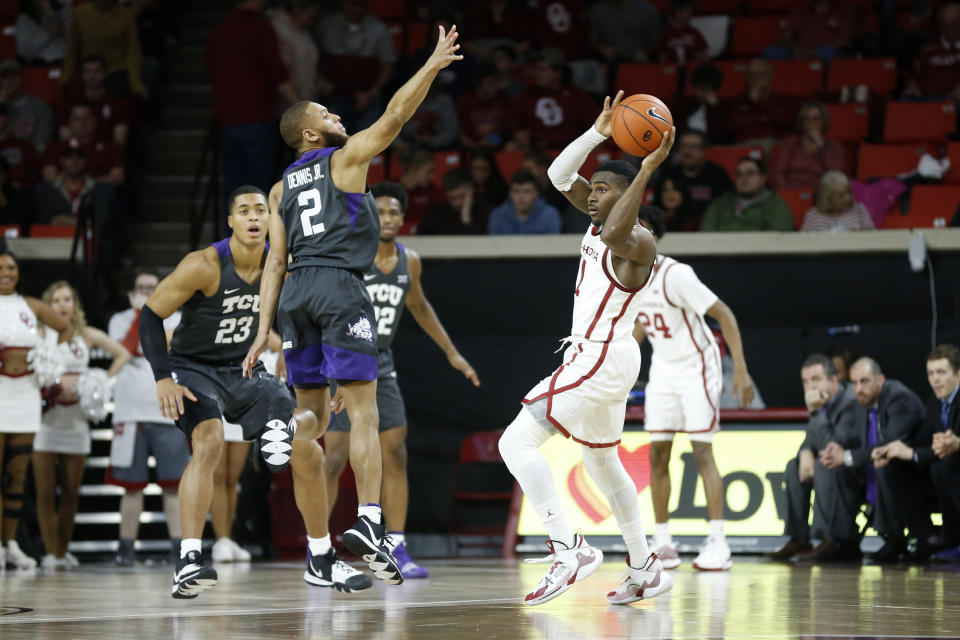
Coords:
pixel 446 51
pixel 655 159
pixel 602 123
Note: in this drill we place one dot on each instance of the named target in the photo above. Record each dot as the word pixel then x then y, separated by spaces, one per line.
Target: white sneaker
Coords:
pixel 223 550
pixel 17 558
pixel 51 562
pixel 239 553
pixel 715 556
pixel 668 555
pixel 648 581
pixel 569 565
pixel 71 560
pixel 3 558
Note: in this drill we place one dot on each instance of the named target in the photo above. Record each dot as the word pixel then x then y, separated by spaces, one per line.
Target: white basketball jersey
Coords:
pixel 603 309
pixel 671 311
pixel 18 324
pixel 75 354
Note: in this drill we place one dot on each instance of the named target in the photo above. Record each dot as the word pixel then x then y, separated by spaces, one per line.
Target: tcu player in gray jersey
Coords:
pixel 325 221
pixel 217 289
pixel 393 282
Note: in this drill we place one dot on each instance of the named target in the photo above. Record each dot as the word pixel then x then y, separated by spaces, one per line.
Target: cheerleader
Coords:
pixel 19 400
pixel 64 435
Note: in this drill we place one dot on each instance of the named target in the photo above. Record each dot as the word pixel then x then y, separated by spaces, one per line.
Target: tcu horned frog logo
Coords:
pixel 361 329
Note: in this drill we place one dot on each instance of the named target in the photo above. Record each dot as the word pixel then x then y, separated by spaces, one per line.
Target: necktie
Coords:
pixel 871 443
pixel 944 413
pixel 131 341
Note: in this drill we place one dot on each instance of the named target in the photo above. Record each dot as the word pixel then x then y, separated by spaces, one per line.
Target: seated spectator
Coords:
pixel 524 212
pixel 704 180
pixel 110 111
pixel 551 113
pixel 29 117
pixel 703 111
pixel 417 178
pixel 14 202
pixel 104 160
pixel 108 29
pixel 816 29
pixel 759 116
pixel 843 358
pixel 624 30
pixel 750 206
pixel 23 162
pixel 512 73
pixel 673 198
pixel 572 220
pixel 73 192
pixel 832 405
pixel 434 124
pixel 835 208
pixel 462 213
pixel 502 21
pixel 485 176
pixel 805 156
pixel 41 30
pixel 482 113
pixel 557 23
pixel 680 42
pixel 293 21
pixel 452 80
pixel 936 67
pixel 359 56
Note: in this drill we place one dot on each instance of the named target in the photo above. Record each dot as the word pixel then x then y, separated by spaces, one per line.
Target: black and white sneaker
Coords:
pixel 366 539
pixel 328 570
pixel 192 577
pixel 276 444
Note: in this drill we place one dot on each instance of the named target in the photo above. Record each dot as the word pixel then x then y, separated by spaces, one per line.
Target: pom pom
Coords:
pixel 46 362
pixel 94 392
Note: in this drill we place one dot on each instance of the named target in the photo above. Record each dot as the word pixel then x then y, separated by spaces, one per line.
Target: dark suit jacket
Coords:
pixel 835 417
pixel 922 439
pixel 900 413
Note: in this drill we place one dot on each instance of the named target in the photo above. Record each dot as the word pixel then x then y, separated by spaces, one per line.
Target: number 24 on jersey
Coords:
pixel 659 324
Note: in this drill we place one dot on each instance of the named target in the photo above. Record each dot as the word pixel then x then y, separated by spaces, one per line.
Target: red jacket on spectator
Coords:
pixel 793 168
pixel 244 66
pixel 808 30
pixel 553 117
pixel 419 200
pixel 23 160
pixel 680 44
pixel 101 155
pixel 774 117
pixel 109 111
pixel 479 118
pixel 936 68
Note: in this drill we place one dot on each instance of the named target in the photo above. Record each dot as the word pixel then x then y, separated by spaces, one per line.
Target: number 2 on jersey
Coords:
pixel 310 202
pixel 659 324
pixel 385 318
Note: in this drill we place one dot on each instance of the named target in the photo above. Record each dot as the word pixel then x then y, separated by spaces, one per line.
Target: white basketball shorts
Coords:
pixel 683 397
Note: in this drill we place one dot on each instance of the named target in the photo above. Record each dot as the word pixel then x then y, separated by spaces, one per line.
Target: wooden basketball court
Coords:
pixel 481 599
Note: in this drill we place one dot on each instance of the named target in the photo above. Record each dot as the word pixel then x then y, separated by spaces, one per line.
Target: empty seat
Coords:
pixel 44 82
pixel 754 33
pixel 416 36
pixel 953 174
pixel 880 74
pixel 386 8
pixel 930 206
pixel 595 158
pixel 728 7
pixel 8 41
pixel 728 157
pixel 799 201
pixel 655 79
pixel 848 122
pixel 907 121
pixel 509 162
pixel 887 160
pixel 797 77
pixel 771 6
pixel 444 161
pixel 734 77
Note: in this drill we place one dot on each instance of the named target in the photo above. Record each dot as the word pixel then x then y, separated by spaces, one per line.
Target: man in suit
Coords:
pixel 930 454
pixel 887 411
pixel 831 404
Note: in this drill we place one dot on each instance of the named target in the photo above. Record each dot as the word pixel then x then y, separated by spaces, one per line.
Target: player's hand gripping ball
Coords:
pixel 639 123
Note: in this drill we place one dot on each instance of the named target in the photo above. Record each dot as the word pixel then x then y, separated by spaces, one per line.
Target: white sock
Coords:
pixel 661 534
pixel 318 546
pixel 189 544
pixel 636 542
pixel 396 539
pixel 553 519
pixel 371 510
pixel 716 530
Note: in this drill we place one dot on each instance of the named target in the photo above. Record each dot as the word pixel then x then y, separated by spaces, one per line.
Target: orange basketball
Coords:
pixel 639 123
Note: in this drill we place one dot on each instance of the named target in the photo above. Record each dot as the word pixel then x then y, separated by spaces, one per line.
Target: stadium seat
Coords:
pixel 43 82
pixel 771 6
pixel 595 158
pixel 848 122
pixel 880 74
pixel 378 169
pixel 51 231
pixel 710 7
pixel 919 121
pixel 752 34
pixel 728 157
pixel 395 27
pixel 416 36
pixel 734 77
pixel 509 162
pixel 444 161
pixel 799 201
pixel 9 9
pixel 10 231
pixel 8 41
pixel 655 79
pixel 930 206
pixel 887 160
pixel 715 30
pixel 386 8
pixel 953 174
pixel 797 77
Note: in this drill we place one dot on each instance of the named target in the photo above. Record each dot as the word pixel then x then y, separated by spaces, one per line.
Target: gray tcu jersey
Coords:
pixel 388 291
pixel 327 227
pixel 219 329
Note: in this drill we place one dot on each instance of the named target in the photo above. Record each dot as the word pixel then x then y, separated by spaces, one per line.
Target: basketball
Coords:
pixel 639 123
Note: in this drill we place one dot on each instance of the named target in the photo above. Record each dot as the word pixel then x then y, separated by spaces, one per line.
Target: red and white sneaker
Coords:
pixel 668 555
pixel 648 581
pixel 568 565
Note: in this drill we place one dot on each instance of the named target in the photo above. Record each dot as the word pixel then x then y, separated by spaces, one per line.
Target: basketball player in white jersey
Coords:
pixel 684 390
pixel 586 397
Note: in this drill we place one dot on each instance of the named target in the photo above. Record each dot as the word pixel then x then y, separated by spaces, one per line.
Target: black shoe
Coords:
pixel 367 540
pixel 328 570
pixel 276 444
pixel 828 551
pixel 126 556
pixel 920 553
pixel 192 577
pixel 792 548
pixel 889 552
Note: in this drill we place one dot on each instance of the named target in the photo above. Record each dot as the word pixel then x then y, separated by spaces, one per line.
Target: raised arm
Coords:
pixel 97 338
pixel 742 386
pixel 47 315
pixel 271 281
pixel 426 317
pixel 563 172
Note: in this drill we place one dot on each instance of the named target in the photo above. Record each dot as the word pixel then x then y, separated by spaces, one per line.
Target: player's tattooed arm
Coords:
pixel 425 315
pixel 271 281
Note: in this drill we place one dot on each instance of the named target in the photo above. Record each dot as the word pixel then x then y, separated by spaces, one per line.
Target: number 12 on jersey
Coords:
pixel 659 324
pixel 309 201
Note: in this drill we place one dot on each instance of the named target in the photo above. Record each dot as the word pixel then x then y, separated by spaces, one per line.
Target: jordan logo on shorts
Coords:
pixel 361 329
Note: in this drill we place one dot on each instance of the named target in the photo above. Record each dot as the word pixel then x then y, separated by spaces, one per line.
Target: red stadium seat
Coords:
pixel 728 157
pixel 797 77
pixel 848 122
pixel 799 201
pixel 444 161
pixel 771 6
pixel 595 158
pixel 953 152
pixel 386 8
pixel 10 231
pixel 880 74
pixel 43 82
pixel 910 121
pixel 888 160
pixel 378 169
pixel 9 9
pixel 655 79
pixel 8 41
pixel 930 206
pixel 714 7
pixel 478 451
pixel 734 77
pixel 509 162
pixel 752 34
pixel 416 36
pixel 910 22
pixel 51 231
